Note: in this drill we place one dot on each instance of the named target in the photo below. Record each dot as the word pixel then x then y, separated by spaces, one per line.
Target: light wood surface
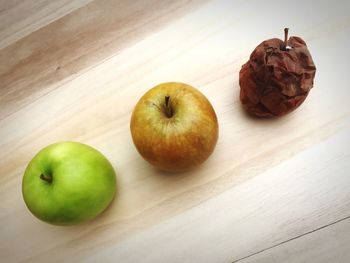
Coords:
pixel 20 18
pixel 274 190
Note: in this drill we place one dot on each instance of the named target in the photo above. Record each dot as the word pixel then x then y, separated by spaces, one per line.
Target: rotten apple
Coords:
pixel 277 78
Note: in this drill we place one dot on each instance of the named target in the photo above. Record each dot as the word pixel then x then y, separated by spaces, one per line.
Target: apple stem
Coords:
pixel 286 39
pixel 47 178
pixel 168 109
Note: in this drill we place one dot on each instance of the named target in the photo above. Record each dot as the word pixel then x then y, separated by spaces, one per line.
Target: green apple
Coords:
pixel 68 183
pixel 174 127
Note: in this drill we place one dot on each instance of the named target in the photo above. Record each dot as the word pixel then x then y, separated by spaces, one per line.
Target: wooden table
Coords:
pixel 274 190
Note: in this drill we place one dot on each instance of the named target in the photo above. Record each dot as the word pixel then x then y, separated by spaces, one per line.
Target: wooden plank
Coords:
pixel 329 244
pixel 75 42
pixel 300 195
pixel 19 18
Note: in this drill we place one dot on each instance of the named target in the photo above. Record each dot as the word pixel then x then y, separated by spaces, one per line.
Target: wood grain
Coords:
pixel 81 39
pixel 281 203
pixel 268 181
pixel 20 18
pixel 328 244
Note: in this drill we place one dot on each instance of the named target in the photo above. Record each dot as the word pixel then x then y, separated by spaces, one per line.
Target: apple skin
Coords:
pixel 276 80
pixel 83 183
pixel 179 142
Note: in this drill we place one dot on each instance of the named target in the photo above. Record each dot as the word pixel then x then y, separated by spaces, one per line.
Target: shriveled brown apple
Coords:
pixel 277 78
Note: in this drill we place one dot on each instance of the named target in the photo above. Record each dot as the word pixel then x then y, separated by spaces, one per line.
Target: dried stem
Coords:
pixel 47 178
pixel 168 109
pixel 286 47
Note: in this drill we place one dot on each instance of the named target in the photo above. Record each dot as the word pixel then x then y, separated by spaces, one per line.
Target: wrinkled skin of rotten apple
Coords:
pixel 276 80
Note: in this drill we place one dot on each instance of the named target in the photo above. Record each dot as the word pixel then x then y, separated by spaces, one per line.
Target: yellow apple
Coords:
pixel 174 127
